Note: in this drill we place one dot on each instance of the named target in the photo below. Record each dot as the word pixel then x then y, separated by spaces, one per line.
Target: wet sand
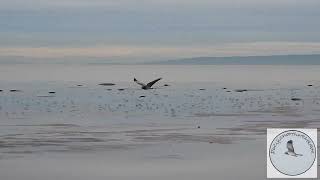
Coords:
pixel 171 132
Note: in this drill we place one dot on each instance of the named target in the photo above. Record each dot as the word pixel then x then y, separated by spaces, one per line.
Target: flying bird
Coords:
pixel 146 86
pixel 291 149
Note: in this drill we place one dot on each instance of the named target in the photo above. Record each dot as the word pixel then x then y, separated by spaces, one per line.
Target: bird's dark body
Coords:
pixel 146 86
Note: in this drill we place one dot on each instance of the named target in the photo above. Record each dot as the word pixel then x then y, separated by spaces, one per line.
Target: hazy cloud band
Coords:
pixel 130 53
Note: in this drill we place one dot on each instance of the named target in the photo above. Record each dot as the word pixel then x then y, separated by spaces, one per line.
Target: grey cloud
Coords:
pixel 39 23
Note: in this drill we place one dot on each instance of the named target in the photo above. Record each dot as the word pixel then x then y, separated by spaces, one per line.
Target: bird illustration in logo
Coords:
pixel 291 149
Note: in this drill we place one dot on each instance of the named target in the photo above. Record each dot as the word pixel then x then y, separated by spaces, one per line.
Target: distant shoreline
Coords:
pixel 307 59
pixel 313 59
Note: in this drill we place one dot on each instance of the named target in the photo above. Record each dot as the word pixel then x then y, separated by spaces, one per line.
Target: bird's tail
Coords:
pixel 299 155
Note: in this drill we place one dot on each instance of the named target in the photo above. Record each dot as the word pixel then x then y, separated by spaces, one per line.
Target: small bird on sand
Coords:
pixel 291 149
pixel 146 86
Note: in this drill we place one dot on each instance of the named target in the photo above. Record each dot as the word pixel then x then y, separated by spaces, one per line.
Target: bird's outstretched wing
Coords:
pixel 290 146
pixel 138 82
pixel 154 81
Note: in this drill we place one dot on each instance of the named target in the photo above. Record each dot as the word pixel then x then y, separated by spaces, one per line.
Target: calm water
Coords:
pixel 186 130
pixel 230 74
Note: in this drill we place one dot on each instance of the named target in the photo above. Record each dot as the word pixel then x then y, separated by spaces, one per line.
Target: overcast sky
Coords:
pixel 157 29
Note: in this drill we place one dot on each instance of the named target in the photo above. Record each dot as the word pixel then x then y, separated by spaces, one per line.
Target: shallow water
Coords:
pixel 61 119
pixel 255 75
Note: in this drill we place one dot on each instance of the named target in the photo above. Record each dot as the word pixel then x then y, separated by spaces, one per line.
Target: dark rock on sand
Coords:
pixel 106 84
pixel 109 89
pixel 120 89
pixel 202 89
pixel 228 91
pixel 79 85
pixel 1 90
pixel 15 90
pixel 142 96
pixel 166 85
pixel 52 92
pixel 240 90
pixel 310 85
pixel 224 88
pixel 296 99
